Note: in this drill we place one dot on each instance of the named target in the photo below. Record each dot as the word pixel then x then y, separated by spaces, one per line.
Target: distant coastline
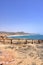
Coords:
pixel 17 33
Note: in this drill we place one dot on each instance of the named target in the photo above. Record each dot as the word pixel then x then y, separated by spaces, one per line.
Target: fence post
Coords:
pixel 11 41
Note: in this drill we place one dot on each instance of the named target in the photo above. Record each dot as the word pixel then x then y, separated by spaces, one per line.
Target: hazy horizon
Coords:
pixel 21 15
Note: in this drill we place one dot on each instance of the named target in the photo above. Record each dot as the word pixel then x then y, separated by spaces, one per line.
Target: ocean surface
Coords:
pixel 33 37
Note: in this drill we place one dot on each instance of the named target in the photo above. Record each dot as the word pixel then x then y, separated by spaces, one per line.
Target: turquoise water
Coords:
pixel 34 37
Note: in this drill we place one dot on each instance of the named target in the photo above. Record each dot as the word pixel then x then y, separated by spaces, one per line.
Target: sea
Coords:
pixel 31 37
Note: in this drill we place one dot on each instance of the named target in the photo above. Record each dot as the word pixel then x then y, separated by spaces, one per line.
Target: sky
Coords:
pixel 21 15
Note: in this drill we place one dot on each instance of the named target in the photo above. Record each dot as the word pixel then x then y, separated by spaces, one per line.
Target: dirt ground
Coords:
pixel 21 54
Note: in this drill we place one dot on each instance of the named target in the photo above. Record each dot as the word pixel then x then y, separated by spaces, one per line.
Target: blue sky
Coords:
pixel 21 15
